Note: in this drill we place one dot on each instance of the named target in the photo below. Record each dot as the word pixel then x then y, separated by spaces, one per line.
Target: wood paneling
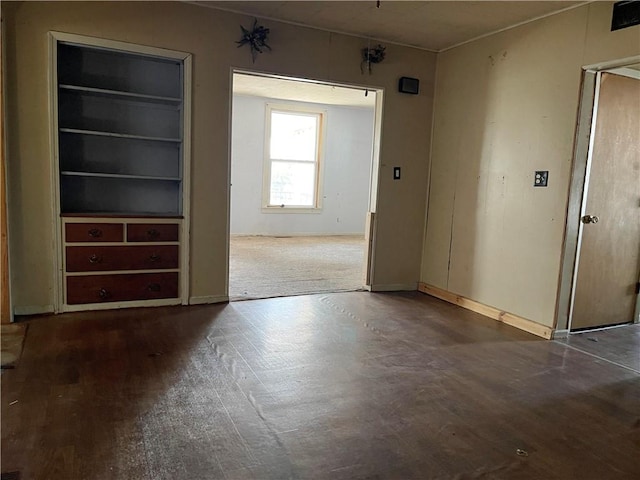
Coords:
pixel 139 257
pixel 121 288
pixel 94 232
pixel 146 232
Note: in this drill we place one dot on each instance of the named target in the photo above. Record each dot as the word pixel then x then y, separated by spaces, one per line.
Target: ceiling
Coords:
pixel 301 91
pixel 429 25
pixel 433 26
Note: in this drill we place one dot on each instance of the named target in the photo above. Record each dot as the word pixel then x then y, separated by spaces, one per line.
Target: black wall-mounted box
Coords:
pixel 625 14
pixel 409 85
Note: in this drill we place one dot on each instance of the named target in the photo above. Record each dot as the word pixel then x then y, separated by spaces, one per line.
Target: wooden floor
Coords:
pixel 338 386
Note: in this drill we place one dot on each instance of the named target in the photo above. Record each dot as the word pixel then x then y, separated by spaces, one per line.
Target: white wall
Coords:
pixel 347 166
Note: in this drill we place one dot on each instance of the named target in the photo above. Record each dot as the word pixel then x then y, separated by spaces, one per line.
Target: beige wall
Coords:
pixel 210 36
pixel 505 106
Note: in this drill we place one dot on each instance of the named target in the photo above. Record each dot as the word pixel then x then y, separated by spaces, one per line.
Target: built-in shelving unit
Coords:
pixel 120 131
pixel 121 149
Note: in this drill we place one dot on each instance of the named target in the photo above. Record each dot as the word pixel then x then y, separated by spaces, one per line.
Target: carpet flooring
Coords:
pixel 263 267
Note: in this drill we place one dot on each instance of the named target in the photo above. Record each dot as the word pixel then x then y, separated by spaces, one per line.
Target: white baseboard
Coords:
pixel 298 234
pixel 90 307
pixel 394 287
pixel 33 310
pixel 208 299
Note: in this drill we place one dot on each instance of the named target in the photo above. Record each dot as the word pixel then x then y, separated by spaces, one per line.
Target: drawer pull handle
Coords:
pixel 153 233
pixel 95 233
pixel 95 258
pixel 154 257
pixel 104 294
pixel 154 287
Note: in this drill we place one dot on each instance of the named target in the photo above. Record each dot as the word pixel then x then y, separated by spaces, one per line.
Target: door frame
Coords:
pixel 578 190
pixel 6 310
pixel 374 175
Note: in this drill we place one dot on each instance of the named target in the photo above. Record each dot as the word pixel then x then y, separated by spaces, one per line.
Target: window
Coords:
pixel 293 150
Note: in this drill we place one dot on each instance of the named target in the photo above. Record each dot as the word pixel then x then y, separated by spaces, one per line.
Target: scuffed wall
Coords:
pixel 506 105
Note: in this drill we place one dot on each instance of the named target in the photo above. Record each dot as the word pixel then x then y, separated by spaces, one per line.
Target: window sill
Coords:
pixel 276 209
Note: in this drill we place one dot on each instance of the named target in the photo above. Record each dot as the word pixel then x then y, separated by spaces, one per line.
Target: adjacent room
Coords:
pixel 430 210
pixel 301 169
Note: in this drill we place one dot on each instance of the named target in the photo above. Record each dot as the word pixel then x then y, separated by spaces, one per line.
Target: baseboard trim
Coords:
pixel 33 310
pixel 559 334
pixel 208 299
pixel 394 287
pixel 92 307
pixel 491 312
pixel 297 234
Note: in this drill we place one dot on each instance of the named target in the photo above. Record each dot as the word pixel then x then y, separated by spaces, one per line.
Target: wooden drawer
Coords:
pixel 148 232
pixel 106 258
pixel 93 232
pixel 121 288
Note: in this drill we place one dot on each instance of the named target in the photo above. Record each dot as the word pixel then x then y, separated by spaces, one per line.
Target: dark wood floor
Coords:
pixel 339 386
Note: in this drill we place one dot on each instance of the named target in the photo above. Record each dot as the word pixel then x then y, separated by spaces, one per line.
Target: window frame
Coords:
pixel 319 160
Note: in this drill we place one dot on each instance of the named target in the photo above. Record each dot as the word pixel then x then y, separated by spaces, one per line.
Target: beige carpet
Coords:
pixel 262 267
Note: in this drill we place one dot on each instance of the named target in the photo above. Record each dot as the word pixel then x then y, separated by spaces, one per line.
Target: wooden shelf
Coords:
pixel 121 215
pixel 119 135
pixel 121 94
pixel 102 214
pixel 118 175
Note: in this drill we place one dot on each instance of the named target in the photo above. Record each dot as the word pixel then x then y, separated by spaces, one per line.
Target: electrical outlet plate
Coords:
pixel 541 178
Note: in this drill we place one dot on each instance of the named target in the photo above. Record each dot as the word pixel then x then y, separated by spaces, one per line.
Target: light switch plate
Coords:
pixel 396 173
pixel 541 178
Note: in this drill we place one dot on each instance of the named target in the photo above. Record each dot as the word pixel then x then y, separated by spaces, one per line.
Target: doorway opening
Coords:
pixel 601 265
pixel 303 186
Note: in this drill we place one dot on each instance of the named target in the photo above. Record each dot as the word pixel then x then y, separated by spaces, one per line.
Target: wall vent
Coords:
pixel 625 14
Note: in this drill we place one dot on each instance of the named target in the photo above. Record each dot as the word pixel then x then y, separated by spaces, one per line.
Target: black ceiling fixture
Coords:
pixel 625 14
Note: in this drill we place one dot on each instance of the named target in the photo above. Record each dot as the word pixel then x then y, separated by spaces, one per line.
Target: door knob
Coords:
pixel 590 219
